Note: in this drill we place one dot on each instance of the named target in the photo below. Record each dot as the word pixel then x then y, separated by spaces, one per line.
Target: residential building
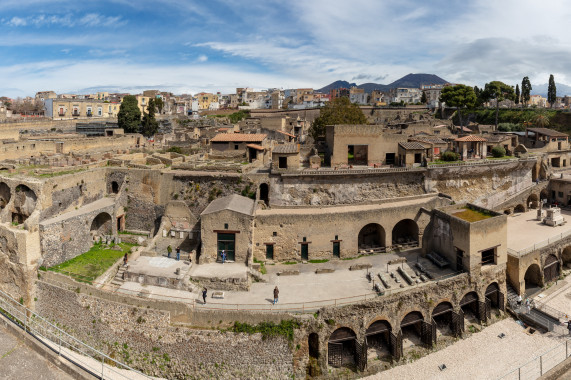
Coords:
pixel 64 109
pixel 406 95
pixel 43 95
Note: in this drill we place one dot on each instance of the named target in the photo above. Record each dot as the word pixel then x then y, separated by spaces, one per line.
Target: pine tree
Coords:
pixel 150 125
pixel 517 94
pixel 129 116
pixel 525 90
pixel 551 91
pixel 423 99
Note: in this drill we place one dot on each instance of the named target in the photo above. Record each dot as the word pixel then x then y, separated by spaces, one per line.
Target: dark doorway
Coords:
pixel 470 307
pixel 417 158
pixel 519 208
pixel 282 163
pixel 489 256
pixel 304 251
pixel 269 251
pixel 459 260
pixel 227 243
pixel 342 348
pixel 114 187
pixel 532 278
pixel 411 327
pixel 371 236
pixel 551 269
pixel 442 317
pixel 390 159
pixel 493 294
pixel 313 343
pixel 357 154
pixel 378 338
pixel 265 193
pixel 336 249
pixel 406 232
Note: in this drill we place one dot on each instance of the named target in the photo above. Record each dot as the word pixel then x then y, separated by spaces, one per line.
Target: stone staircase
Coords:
pixel 118 279
pixel 512 296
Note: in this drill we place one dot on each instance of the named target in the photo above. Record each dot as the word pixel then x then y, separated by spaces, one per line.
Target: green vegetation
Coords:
pixel 93 263
pixel 263 269
pixel 318 261
pixel 235 117
pixel 510 127
pixel 150 126
pixel 498 151
pixel 63 172
pixel 551 91
pixel 459 96
pixel 499 91
pixel 267 329
pixel 337 111
pixel 290 263
pixel 129 116
pixel 472 215
pixel 175 149
pixel 449 156
pixel 131 233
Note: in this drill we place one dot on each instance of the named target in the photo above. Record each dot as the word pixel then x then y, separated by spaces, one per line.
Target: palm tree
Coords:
pixel 542 121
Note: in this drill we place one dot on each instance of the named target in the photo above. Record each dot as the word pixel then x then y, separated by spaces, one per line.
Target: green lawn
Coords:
pixel 93 263
pixel 471 215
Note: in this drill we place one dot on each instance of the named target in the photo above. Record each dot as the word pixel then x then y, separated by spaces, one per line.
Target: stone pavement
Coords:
pixel 524 230
pixel 17 361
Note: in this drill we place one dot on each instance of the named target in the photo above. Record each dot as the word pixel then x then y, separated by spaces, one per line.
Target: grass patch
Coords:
pixel 267 329
pixel 57 174
pixel 93 263
pixel 352 258
pixel 290 263
pixel 501 158
pixel 131 233
pixel 318 261
pixel 471 215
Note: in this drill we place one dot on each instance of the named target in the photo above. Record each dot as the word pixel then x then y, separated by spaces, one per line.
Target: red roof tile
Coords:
pixel 238 137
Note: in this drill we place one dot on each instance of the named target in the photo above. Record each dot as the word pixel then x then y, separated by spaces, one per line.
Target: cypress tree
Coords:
pixel 551 91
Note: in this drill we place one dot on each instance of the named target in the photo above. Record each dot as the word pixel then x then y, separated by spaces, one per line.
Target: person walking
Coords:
pixel 276 294
pixel 204 291
pixel 528 305
pixel 169 251
pixel 519 299
pixel 223 256
pixel 177 253
pixel 125 258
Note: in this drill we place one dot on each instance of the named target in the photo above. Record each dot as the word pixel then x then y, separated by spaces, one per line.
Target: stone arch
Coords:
pixel 5 195
pixel 507 211
pixel 371 236
pixel 532 201
pixel 265 193
pixel 442 316
pixel 24 203
pixel 543 195
pixel 566 256
pixel 313 344
pixel 470 305
pixel 411 327
pixel 114 187
pixel 493 294
pixel 378 337
pixel 341 347
pixel 519 208
pixel 405 232
pixel 551 268
pixel 101 225
pixel 533 278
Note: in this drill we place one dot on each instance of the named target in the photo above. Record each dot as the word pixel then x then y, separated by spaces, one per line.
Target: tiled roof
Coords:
pixel 471 138
pixel 547 132
pixel 429 139
pixel 285 133
pixel 285 148
pixel 411 145
pixel 498 138
pixel 238 137
pixel 255 146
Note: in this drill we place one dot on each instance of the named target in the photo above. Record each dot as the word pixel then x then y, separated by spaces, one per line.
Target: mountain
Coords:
pixel 410 80
pixel 541 89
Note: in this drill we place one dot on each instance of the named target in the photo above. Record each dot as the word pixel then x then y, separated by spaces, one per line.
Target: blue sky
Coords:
pixel 186 46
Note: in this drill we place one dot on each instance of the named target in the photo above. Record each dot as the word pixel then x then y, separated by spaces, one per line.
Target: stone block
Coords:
pixel 324 270
pixel 289 272
pixel 360 266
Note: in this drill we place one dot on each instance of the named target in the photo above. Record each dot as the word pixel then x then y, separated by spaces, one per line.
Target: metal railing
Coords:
pixel 538 366
pixel 65 345
pixel 541 244
pixel 549 310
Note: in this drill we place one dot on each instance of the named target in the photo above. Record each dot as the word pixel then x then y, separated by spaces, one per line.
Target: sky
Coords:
pixel 187 46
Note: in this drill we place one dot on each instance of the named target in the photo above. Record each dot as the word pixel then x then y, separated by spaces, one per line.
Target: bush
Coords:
pixel 175 149
pixel 449 156
pixel 498 151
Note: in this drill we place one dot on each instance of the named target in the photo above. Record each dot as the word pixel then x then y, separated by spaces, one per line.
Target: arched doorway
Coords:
pixel 470 307
pixel 405 233
pixel 342 348
pixel 507 211
pixel 532 278
pixel 533 201
pixel 550 269
pixel 24 203
pixel 519 208
pixel 411 327
pixel 114 187
pixel 265 193
pixel 372 236
pixel 566 256
pixel 101 225
pixel 442 317
pixel 378 338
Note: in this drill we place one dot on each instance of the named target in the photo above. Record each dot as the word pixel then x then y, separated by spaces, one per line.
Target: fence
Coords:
pixel 541 244
pixel 538 366
pixel 75 351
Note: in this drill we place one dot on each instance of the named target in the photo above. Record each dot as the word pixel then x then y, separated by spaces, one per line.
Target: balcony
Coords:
pixel 61 114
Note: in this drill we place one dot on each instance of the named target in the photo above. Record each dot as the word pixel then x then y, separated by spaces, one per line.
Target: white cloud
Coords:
pixel 69 21
pixel 202 58
pixel 16 21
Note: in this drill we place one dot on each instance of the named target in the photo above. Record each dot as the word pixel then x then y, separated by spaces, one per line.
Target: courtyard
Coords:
pixel 525 231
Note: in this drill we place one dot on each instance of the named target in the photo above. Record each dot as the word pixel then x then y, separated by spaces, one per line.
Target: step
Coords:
pixel 118 283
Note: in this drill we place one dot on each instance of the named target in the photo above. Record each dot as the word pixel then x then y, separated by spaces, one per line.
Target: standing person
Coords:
pixel 223 256
pixel 276 294
pixel 177 253
pixel 519 299
pixel 528 305
pixel 125 259
pixel 169 251
pixel 569 326
pixel 204 290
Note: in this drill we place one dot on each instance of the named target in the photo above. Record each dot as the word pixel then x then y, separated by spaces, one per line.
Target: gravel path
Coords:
pixel 481 356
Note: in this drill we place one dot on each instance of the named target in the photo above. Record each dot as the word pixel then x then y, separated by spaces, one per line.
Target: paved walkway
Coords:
pixel 524 230
pixel 17 361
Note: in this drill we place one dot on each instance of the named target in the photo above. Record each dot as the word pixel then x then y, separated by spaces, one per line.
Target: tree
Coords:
pixel 551 91
pixel 150 125
pixel 129 116
pixel 499 91
pixel 160 104
pixel 423 99
pixel 498 151
pixel 459 96
pixel 525 90
pixel 517 94
pixel 337 111
pixel 541 120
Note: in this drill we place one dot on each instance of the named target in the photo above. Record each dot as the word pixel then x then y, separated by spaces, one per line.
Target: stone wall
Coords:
pixel 145 339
